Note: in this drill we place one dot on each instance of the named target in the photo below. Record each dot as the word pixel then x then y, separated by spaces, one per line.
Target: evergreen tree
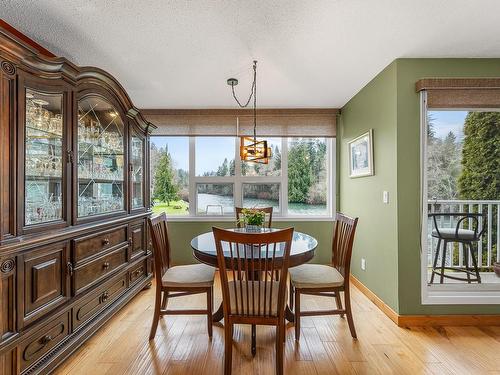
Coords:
pixel 299 172
pixel 480 178
pixel 223 169
pixel 165 188
pixel 277 159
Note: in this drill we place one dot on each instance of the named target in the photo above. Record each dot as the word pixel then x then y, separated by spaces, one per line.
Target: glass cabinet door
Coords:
pixel 137 171
pixel 43 157
pixel 100 157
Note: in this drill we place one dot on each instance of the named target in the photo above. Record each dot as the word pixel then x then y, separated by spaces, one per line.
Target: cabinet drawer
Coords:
pixel 89 274
pixel 45 338
pixel 138 272
pixel 94 244
pixel 98 300
pixel 137 235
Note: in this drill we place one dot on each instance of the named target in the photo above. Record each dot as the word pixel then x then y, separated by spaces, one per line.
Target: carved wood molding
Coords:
pixel 7 266
pixel 8 68
pixel 457 83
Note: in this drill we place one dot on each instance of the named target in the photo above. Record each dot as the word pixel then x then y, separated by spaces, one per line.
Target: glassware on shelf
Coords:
pixel 43 162
pixel 100 158
pixel 137 161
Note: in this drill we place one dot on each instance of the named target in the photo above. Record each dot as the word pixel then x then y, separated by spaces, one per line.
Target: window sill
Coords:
pixel 462 294
pixel 232 218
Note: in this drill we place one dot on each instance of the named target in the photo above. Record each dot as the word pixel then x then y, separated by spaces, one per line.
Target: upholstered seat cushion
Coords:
pixel 450 234
pixel 193 275
pixel 315 276
pixel 268 305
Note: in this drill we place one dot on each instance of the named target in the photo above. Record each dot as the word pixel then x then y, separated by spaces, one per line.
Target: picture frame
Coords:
pixel 361 155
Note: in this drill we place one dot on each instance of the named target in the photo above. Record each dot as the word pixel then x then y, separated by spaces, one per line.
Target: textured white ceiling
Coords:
pixel 312 53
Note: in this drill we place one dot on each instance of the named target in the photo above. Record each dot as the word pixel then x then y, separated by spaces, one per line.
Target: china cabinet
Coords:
pixel 73 205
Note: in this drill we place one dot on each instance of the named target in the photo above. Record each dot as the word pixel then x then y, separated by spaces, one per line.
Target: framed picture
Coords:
pixel 361 155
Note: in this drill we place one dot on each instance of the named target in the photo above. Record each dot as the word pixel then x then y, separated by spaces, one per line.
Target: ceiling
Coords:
pixel 311 53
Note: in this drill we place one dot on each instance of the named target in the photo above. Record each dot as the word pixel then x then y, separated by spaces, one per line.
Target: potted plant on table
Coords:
pixel 252 219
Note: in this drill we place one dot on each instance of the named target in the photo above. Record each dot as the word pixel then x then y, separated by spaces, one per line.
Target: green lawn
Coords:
pixel 175 208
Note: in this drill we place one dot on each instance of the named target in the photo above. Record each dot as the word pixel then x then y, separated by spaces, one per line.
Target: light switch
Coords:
pixel 385 197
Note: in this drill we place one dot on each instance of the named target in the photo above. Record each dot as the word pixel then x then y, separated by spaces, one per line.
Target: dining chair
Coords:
pixel 177 281
pixel 327 280
pixel 267 210
pixel 254 298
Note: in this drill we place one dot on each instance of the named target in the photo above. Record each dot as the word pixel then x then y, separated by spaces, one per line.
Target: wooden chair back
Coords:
pixel 267 210
pixel 161 246
pixel 343 239
pixel 249 258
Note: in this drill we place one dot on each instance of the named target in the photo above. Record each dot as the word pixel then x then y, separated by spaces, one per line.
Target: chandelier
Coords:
pixel 252 149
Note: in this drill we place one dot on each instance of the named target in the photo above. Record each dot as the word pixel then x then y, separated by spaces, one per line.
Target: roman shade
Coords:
pixel 461 92
pixel 270 122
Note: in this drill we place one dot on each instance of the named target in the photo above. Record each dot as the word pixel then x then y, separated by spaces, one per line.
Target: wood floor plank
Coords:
pixel 181 345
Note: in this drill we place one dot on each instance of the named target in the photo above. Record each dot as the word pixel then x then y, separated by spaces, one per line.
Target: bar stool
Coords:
pixel 465 236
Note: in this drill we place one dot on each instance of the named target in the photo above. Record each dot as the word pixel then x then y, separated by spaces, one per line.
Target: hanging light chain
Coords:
pixel 253 94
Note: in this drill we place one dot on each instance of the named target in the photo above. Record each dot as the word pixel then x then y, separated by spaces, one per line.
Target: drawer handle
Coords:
pixel 130 242
pixel 105 297
pixel 105 265
pixel 105 241
pixel 46 339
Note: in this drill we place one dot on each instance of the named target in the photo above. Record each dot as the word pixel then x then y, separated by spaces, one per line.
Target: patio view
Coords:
pixel 462 180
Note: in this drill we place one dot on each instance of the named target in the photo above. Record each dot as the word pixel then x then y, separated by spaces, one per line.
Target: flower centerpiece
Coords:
pixel 252 219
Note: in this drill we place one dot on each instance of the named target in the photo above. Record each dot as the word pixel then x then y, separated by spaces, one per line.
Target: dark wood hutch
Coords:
pixel 74 198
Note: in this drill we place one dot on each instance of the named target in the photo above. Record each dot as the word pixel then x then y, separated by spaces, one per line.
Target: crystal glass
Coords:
pixel 100 157
pixel 137 161
pixel 43 157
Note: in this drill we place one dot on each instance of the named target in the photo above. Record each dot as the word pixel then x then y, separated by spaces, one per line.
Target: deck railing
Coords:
pixel 489 244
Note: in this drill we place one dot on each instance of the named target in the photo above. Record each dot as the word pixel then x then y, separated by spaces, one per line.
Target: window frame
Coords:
pixel 451 293
pixel 238 180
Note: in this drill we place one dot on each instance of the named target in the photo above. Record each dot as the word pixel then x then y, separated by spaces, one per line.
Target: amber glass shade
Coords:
pixel 254 151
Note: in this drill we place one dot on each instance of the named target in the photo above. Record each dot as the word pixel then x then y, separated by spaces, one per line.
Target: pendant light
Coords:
pixel 251 149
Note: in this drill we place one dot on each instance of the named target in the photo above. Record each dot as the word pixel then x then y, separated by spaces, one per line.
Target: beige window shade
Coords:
pixel 461 92
pixel 270 123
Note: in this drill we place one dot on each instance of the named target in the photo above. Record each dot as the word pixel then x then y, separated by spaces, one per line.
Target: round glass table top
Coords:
pixel 303 247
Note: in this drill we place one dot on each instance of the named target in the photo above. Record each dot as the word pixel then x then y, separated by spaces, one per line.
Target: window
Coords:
pixel 204 176
pixel 460 160
pixel 169 158
pixel 261 195
pixel 307 176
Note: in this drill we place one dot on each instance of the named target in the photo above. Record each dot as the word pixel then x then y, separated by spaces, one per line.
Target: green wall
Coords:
pixel 389 235
pixel 376 237
pixel 408 174
pixel 181 233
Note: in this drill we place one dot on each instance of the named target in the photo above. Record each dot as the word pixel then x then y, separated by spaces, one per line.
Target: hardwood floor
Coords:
pixel 182 345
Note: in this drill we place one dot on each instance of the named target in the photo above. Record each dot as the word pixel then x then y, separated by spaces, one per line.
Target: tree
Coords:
pixel 165 188
pixel 480 178
pixel 223 170
pixel 277 159
pixel 299 172
pixel 443 163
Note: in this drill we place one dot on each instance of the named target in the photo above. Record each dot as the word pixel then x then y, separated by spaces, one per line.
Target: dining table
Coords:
pixel 302 251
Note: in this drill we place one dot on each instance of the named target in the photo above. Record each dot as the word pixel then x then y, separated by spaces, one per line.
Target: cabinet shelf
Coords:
pixel 100 181
pixel 31 177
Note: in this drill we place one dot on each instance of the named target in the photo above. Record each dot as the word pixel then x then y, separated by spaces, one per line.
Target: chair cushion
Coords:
pixel 193 275
pixel 239 289
pixel 315 276
pixel 449 234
